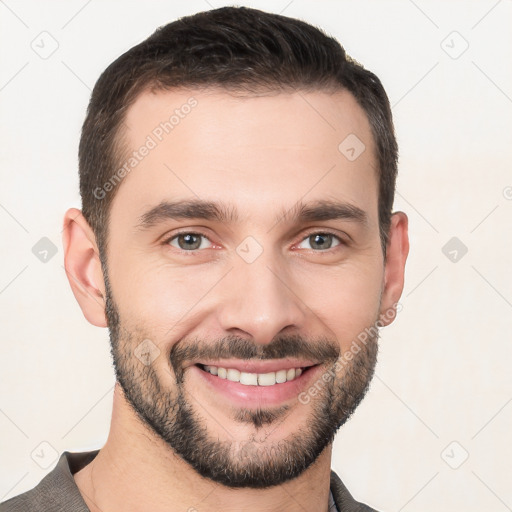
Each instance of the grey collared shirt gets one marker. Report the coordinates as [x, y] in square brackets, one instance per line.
[332, 505]
[58, 492]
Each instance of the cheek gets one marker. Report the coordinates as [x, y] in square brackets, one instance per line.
[166, 300]
[349, 303]
[162, 297]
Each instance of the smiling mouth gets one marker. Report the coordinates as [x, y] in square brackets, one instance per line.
[255, 379]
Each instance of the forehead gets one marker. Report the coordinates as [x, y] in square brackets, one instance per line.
[257, 153]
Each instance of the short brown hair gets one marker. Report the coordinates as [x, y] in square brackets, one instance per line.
[238, 49]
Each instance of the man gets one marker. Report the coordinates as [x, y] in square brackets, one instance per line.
[237, 174]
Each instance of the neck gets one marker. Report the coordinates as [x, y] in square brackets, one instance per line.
[136, 470]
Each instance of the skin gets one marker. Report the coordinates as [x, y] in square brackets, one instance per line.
[261, 155]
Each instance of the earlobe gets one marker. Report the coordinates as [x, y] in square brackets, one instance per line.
[396, 256]
[83, 267]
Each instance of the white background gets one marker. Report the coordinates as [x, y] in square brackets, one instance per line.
[444, 369]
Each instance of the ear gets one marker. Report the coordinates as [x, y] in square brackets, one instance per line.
[83, 267]
[396, 254]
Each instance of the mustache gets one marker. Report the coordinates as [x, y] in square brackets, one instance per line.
[234, 347]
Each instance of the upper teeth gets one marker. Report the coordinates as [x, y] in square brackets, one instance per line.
[254, 379]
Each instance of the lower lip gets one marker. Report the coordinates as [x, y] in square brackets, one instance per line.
[257, 396]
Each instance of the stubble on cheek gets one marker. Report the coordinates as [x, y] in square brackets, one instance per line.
[270, 455]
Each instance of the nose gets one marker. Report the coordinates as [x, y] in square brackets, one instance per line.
[259, 300]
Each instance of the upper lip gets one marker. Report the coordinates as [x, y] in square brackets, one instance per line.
[260, 366]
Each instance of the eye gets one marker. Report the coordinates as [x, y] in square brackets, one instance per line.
[320, 241]
[189, 241]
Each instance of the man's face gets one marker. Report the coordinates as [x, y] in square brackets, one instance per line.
[252, 288]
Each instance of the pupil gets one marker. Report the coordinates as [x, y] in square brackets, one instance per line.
[190, 241]
[321, 241]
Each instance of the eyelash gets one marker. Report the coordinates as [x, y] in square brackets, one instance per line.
[195, 252]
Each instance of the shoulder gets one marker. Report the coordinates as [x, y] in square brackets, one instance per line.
[343, 499]
[57, 491]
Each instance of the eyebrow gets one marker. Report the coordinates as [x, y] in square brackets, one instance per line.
[197, 209]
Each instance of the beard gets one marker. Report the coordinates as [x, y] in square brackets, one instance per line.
[255, 462]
